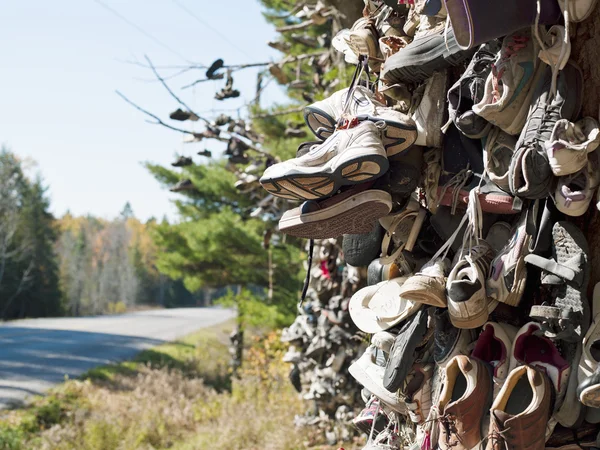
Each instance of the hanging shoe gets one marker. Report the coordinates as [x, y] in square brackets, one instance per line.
[183, 161]
[589, 365]
[429, 115]
[206, 153]
[571, 143]
[182, 116]
[498, 149]
[350, 156]
[574, 193]
[183, 185]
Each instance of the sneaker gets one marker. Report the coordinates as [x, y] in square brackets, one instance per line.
[469, 90]
[351, 212]
[379, 308]
[508, 88]
[183, 185]
[448, 341]
[530, 173]
[183, 161]
[383, 340]
[368, 373]
[363, 38]
[508, 271]
[416, 391]
[570, 144]
[322, 116]
[579, 10]
[531, 349]
[498, 149]
[468, 303]
[360, 249]
[372, 418]
[429, 52]
[205, 153]
[349, 156]
[494, 346]
[589, 366]
[429, 115]
[181, 115]
[463, 403]
[428, 286]
[574, 193]
[519, 414]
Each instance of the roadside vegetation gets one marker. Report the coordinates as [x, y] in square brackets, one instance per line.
[176, 396]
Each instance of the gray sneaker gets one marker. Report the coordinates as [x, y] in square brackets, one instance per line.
[530, 175]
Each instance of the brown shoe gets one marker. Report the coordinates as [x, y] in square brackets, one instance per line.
[463, 403]
[520, 413]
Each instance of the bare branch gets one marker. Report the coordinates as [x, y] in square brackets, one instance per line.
[164, 83]
[158, 121]
[295, 27]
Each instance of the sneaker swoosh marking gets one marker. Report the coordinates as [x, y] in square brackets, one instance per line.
[528, 68]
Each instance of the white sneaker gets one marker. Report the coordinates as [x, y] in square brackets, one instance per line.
[570, 144]
[429, 115]
[322, 116]
[590, 358]
[366, 371]
[494, 346]
[574, 193]
[348, 157]
[468, 304]
[579, 10]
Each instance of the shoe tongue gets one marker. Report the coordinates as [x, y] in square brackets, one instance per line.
[501, 417]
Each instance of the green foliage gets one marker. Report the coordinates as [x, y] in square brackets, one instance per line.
[252, 310]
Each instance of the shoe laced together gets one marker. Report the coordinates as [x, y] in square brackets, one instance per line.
[516, 43]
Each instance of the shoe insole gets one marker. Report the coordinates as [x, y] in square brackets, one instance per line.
[520, 397]
[460, 387]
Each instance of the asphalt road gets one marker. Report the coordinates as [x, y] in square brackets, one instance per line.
[36, 354]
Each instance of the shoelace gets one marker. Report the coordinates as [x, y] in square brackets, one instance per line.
[516, 43]
[457, 182]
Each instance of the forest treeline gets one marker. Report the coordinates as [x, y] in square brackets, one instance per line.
[74, 265]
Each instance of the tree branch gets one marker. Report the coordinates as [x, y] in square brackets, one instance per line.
[279, 113]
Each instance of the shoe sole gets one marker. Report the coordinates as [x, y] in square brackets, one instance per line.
[396, 137]
[591, 396]
[354, 215]
[474, 321]
[417, 287]
[423, 66]
[492, 203]
[313, 186]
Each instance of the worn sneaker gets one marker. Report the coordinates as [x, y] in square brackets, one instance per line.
[469, 90]
[531, 349]
[371, 418]
[468, 303]
[181, 115]
[579, 10]
[183, 161]
[570, 144]
[429, 52]
[463, 403]
[322, 116]
[363, 38]
[183, 185]
[205, 153]
[494, 346]
[498, 149]
[589, 366]
[508, 88]
[427, 286]
[416, 391]
[519, 414]
[350, 212]
[448, 341]
[574, 193]
[530, 174]
[349, 156]
[508, 271]
[429, 115]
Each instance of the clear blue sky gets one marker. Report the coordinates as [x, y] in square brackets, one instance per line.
[61, 63]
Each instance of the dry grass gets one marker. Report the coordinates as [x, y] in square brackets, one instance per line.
[176, 396]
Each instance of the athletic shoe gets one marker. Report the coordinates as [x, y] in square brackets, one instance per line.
[463, 403]
[361, 249]
[416, 391]
[182, 116]
[531, 349]
[468, 304]
[205, 153]
[574, 193]
[183, 185]
[322, 117]
[579, 10]
[530, 173]
[589, 365]
[519, 414]
[498, 149]
[372, 412]
[383, 340]
[183, 161]
[429, 115]
[494, 346]
[508, 88]
[448, 341]
[363, 38]
[350, 212]
[570, 143]
[508, 271]
[469, 90]
[429, 52]
[349, 156]
[428, 286]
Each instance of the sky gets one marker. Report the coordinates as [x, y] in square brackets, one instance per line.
[61, 64]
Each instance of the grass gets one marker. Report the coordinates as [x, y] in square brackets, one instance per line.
[177, 396]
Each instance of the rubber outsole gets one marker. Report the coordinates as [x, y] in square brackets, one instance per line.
[313, 186]
[591, 396]
[355, 215]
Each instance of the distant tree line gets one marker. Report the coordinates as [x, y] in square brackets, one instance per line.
[74, 265]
